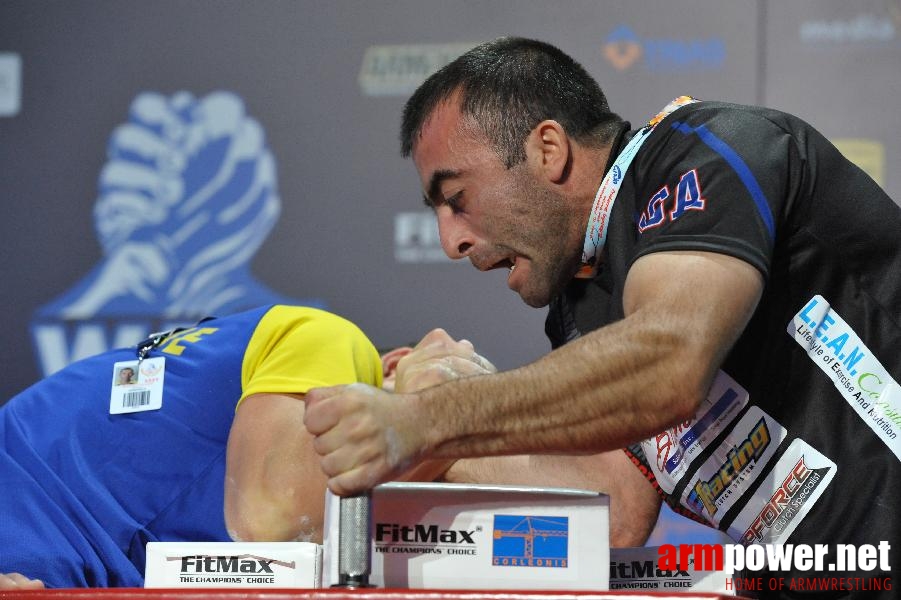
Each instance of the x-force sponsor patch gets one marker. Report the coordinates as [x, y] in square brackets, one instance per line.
[671, 452]
[785, 497]
[858, 375]
[726, 475]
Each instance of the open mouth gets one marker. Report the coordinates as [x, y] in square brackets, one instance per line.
[507, 263]
[511, 268]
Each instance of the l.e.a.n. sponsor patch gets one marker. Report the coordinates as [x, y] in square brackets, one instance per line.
[671, 452]
[861, 379]
[737, 462]
[784, 497]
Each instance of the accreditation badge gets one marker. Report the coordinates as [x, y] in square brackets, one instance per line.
[137, 385]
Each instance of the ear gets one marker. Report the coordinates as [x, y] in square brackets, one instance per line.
[550, 145]
[390, 360]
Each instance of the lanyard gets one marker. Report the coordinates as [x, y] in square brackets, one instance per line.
[155, 340]
[599, 219]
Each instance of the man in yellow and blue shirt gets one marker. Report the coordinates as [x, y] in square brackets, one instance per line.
[85, 487]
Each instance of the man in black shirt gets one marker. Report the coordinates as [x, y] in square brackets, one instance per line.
[724, 294]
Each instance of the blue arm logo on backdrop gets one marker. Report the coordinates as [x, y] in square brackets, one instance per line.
[186, 198]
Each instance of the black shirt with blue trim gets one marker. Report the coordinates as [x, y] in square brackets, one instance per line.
[765, 187]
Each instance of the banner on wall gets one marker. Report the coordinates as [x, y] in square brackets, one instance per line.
[624, 49]
[10, 84]
[398, 69]
[187, 196]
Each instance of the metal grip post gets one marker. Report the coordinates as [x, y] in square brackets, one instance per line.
[354, 544]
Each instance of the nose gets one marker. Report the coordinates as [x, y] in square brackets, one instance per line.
[456, 239]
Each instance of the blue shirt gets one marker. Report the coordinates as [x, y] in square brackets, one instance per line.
[84, 490]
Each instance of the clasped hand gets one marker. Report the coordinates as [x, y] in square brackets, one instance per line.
[365, 436]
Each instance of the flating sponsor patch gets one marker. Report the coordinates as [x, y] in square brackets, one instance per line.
[734, 465]
[858, 375]
[785, 497]
[671, 453]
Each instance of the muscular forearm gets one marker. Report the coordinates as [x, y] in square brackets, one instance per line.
[601, 392]
[616, 385]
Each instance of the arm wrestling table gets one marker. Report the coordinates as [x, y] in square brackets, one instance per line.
[340, 594]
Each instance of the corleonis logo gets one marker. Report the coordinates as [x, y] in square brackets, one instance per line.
[530, 541]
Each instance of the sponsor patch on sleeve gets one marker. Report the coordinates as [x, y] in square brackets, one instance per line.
[785, 496]
[860, 378]
[671, 452]
[739, 460]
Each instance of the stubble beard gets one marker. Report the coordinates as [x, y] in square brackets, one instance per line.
[554, 248]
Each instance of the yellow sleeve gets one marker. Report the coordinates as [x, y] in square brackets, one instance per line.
[295, 349]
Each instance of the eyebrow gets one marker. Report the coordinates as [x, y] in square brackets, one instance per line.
[433, 197]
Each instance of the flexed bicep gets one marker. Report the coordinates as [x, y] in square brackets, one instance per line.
[696, 305]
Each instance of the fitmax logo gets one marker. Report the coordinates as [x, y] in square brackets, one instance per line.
[421, 534]
[225, 564]
[647, 569]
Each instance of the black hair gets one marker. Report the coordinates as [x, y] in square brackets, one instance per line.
[507, 87]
